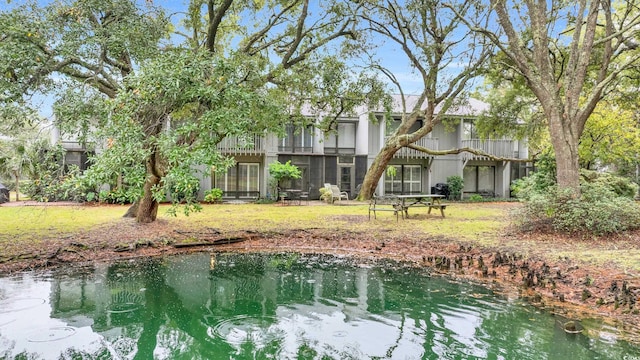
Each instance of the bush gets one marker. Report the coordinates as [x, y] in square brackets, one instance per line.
[619, 185]
[286, 171]
[119, 196]
[52, 185]
[456, 184]
[598, 210]
[476, 198]
[213, 196]
[325, 194]
[183, 188]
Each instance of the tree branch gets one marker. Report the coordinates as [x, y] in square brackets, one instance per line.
[469, 150]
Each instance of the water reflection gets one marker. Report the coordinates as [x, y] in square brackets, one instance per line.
[274, 307]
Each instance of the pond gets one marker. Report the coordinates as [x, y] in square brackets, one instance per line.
[283, 306]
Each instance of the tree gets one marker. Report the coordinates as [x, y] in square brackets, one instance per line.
[78, 53]
[244, 91]
[14, 156]
[444, 56]
[570, 54]
[611, 138]
[174, 113]
[162, 116]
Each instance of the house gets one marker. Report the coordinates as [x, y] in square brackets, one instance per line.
[343, 157]
[76, 153]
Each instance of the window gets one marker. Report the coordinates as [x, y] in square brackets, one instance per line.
[412, 181]
[469, 130]
[297, 139]
[240, 181]
[77, 158]
[407, 180]
[479, 179]
[343, 141]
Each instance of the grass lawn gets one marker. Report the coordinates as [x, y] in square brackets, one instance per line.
[479, 224]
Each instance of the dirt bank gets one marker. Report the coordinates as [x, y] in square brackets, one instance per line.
[562, 285]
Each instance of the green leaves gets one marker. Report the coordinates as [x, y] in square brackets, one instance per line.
[280, 171]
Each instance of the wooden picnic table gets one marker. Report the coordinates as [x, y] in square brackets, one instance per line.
[432, 201]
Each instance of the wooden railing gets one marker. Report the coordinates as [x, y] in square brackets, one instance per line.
[235, 145]
[407, 153]
[499, 148]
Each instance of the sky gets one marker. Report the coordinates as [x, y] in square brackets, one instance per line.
[390, 57]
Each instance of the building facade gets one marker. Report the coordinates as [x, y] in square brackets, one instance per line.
[343, 156]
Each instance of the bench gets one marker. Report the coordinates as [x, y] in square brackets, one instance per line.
[385, 203]
[437, 206]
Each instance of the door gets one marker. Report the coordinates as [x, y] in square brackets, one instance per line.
[345, 179]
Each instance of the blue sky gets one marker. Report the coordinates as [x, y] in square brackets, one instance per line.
[390, 57]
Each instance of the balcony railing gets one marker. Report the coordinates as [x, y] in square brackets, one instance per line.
[499, 148]
[295, 149]
[340, 150]
[407, 153]
[242, 146]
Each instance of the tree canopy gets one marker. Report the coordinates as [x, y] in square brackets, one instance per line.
[569, 55]
[160, 93]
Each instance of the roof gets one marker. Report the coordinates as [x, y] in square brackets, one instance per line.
[471, 107]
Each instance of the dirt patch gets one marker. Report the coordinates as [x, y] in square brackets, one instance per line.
[560, 284]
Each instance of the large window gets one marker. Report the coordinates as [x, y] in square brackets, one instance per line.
[240, 181]
[343, 141]
[297, 140]
[479, 179]
[407, 180]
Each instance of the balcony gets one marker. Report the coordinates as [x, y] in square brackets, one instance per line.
[498, 148]
[295, 149]
[242, 146]
[407, 153]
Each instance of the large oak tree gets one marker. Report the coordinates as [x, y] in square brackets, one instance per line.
[224, 70]
[443, 54]
[570, 53]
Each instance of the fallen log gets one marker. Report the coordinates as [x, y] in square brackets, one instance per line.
[225, 241]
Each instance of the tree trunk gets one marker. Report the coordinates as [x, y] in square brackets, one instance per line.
[132, 211]
[565, 144]
[377, 169]
[17, 176]
[147, 205]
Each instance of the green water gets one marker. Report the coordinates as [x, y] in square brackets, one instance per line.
[224, 306]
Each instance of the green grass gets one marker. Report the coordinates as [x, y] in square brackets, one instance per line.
[43, 220]
[463, 221]
[477, 223]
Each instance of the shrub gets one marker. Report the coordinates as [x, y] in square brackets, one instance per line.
[281, 176]
[52, 185]
[213, 196]
[455, 184]
[325, 194]
[119, 196]
[476, 198]
[621, 186]
[598, 210]
[183, 188]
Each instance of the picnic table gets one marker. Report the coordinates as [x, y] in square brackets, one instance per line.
[432, 201]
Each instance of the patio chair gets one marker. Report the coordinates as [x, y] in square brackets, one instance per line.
[305, 196]
[337, 194]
